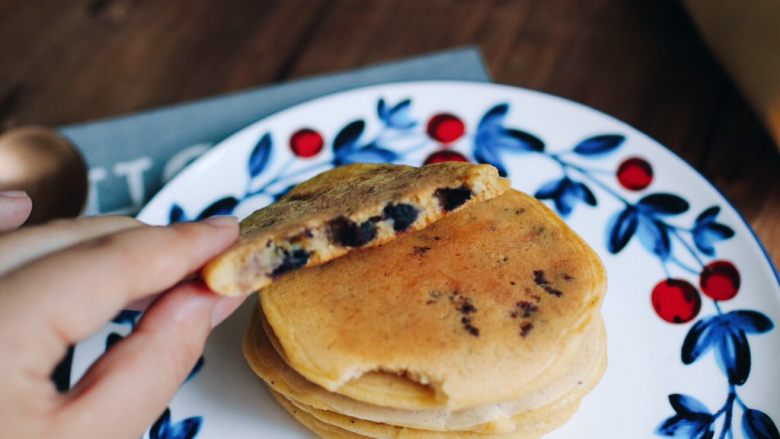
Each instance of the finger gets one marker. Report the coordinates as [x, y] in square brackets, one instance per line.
[15, 207]
[134, 381]
[25, 245]
[75, 291]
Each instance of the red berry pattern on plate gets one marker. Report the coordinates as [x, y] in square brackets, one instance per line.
[306, 143]
[676, 300]
[635, 174]
[445, 156]
[445, 128]
[719, 280]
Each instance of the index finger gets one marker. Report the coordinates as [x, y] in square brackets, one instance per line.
[75, 291]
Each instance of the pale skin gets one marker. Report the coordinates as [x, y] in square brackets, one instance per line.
[62, 281]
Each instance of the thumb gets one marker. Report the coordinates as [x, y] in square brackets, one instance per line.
[130, 385]
[15, 208]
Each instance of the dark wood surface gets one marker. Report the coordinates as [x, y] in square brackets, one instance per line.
[643, 62]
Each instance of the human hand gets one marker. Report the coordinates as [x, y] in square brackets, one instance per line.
[15, 207]
[62, 281]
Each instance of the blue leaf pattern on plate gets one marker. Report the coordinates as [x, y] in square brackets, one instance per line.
[126, 317]
[702, 336]
[367, 154]
[492, 138]
[662, 204]
[733, 356]
[621, 228]
[654, 236]
[223, 206]
[692, 419]
[597, 146]
[164, 429]
[348, 137]
[397, 116]
[261, 154]
[566, 193]
[196, 368]
[176, 214]
[727, 333]
[112, 339]
[758, 425]
[706, 231]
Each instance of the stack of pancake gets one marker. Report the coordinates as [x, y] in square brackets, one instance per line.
[485, 323]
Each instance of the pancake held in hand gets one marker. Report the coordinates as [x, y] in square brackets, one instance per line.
[473, 308]
[577, 369]
[349, 207]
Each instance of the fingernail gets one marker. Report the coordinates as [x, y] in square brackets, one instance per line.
[221, 221]
[14, 194]
[224, 308]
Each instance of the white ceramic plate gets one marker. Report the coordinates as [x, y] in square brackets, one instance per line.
[680, 362]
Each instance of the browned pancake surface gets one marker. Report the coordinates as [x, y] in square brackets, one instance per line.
[474, 307]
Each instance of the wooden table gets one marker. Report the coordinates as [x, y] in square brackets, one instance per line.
[64, 62]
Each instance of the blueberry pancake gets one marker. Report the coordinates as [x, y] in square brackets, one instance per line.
[346, 208]
[471, 310]
[577, 369]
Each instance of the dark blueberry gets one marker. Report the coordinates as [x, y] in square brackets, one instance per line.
[468, 326]
[419, 251]
[467, 308]
[292, 260]
[452, 198]
[525, 328]
[527, 308]
[539, 278]
[347, 233]
[403, 215]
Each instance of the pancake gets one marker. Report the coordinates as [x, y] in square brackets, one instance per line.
[353, 206]
[578, 368]
[473, 309]
[359, 429]
[528, 425]
[322, 429]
